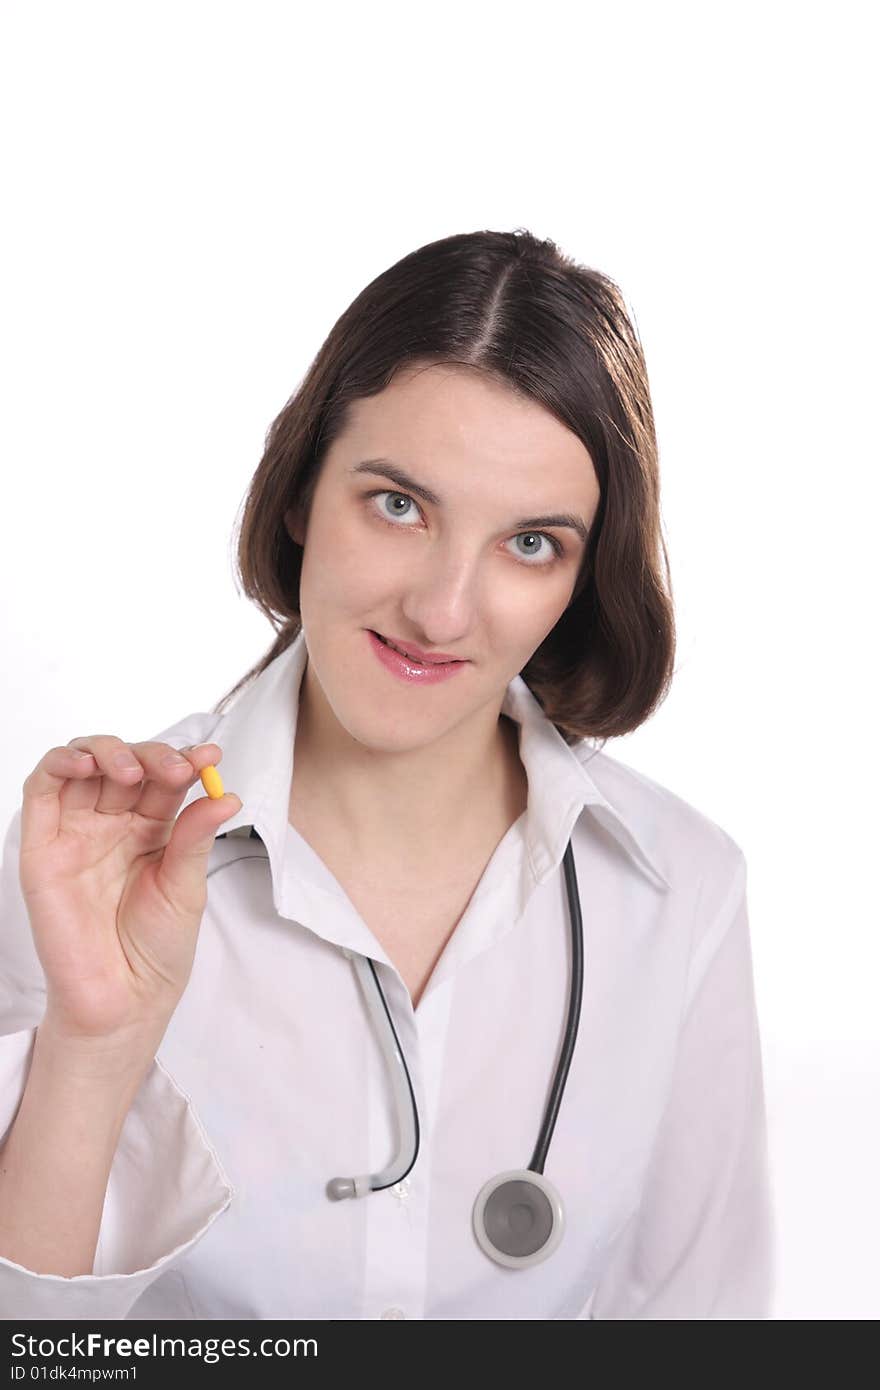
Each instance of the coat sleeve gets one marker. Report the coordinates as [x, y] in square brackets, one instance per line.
[702, 1243]
[166, 1184]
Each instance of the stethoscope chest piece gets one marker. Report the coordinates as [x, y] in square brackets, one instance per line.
[518, 1218]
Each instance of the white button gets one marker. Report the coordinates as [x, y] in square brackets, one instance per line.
[393, 1313]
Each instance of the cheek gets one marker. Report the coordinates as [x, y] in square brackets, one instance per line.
[342, 563]
[526, 612]
[519, 632]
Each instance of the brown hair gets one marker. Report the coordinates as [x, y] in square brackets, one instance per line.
[518, 310]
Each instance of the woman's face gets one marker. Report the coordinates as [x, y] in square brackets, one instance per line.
[470, 574]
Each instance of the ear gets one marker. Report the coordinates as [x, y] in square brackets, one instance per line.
[294, 526]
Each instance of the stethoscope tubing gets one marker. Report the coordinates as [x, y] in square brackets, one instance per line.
[404, 1095]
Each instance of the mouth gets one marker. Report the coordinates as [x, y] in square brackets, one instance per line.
[417, 661]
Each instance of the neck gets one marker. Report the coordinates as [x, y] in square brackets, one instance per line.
[477, 784]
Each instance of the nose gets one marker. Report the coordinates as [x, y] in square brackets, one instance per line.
[442, 597]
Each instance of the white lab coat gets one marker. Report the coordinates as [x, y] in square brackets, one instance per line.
[270, 1079]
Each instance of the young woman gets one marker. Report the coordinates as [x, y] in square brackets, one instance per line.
[440, 1012]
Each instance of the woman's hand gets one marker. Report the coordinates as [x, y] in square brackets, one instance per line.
[115, 881]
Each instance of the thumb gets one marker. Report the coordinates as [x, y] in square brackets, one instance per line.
[185, 859]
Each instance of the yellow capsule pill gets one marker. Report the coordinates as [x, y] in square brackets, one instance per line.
[211, 781]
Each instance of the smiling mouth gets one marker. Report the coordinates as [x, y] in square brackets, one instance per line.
[414, 659]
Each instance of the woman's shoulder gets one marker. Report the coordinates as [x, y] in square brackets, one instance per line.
[666, 819]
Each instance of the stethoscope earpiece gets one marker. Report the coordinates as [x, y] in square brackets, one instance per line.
[518, 1219]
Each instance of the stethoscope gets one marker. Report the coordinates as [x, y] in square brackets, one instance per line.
[518, 1217]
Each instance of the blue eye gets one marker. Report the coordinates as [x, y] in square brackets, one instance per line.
[401, 496]
[556, 548]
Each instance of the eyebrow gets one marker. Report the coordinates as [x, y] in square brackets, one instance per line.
[385, 468]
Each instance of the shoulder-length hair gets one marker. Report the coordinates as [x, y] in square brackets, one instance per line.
[516, 309]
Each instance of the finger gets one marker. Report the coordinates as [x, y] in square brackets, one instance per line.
[151, 787]
[114, 786]
[42, 790]
[181, 873]
[166, 786]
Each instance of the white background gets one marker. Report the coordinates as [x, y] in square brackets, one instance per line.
[193, 194]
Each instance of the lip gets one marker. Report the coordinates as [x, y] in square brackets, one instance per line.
[407, 670]
[428, 658]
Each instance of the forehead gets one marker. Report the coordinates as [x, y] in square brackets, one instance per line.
[448, 421]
